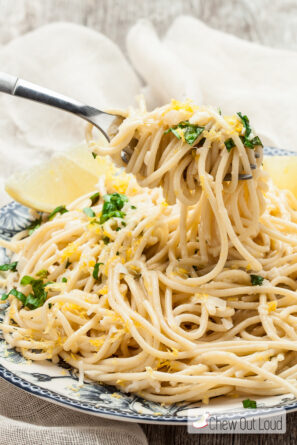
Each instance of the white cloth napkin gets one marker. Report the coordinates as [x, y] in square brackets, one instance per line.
[26, 420]
[219, 69]
[192, 61]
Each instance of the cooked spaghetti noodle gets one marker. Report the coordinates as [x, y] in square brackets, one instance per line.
[178, 302]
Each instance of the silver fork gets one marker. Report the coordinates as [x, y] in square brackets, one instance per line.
[100, 119]
[18, 87]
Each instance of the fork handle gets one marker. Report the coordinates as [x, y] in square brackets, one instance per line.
[7, 83]
[18, 87]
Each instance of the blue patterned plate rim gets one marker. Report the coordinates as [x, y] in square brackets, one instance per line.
[97, 399]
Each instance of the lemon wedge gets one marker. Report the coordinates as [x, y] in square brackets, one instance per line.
[58, 181]
[283, 171]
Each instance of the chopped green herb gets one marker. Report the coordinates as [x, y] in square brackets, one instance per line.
[38, 295]
[106, 240]
[50, 305]
[173, 130]
[123, 223]
[34, 226]
[43, 273]
[133, 207]
[247, 403]
[34, 301]
[220, 111]
[89, 212]
[64, 280]
[67, 263]
[96, 270]
[256, 280]
[112, 207]
[117, 253]
[19, 295]
[118, 228]
[247, 142]
[251, 143]
[246, 124]
[256, 141]
[94, 155]
[60, 209]
[190, 131]
[229, 143]
[9, 266]
[27, 280]
[95, 198]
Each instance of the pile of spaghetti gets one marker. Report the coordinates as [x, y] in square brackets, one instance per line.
[178, 293]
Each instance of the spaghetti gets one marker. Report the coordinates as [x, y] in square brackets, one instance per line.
[178, 302]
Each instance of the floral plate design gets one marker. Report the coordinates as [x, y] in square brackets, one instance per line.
[59, 383]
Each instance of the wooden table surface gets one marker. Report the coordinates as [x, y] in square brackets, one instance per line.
[270, 22]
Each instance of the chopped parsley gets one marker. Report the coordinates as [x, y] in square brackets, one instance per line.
[118, 228]
[246, 140]
[247, 403]
[67, 263]
[19, 295]
[94, 198]
[112, 207]
[106, 240]
[89, 212]
[220, 111]
[133, 207]
[256, 141]
[229, 144]
[189, 131]
[251, 143]
[246, 124]
[38, 295]
[36, 298]
[256, 280]
[96, 270]
[50, 305]
[94, 155]
[43, 273]
[34, 225]
[9, 266]
[64, 280]
[60, 209]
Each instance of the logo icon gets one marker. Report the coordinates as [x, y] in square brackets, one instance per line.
[202, 422]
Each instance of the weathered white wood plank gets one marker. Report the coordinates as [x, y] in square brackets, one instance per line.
[271, 22]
